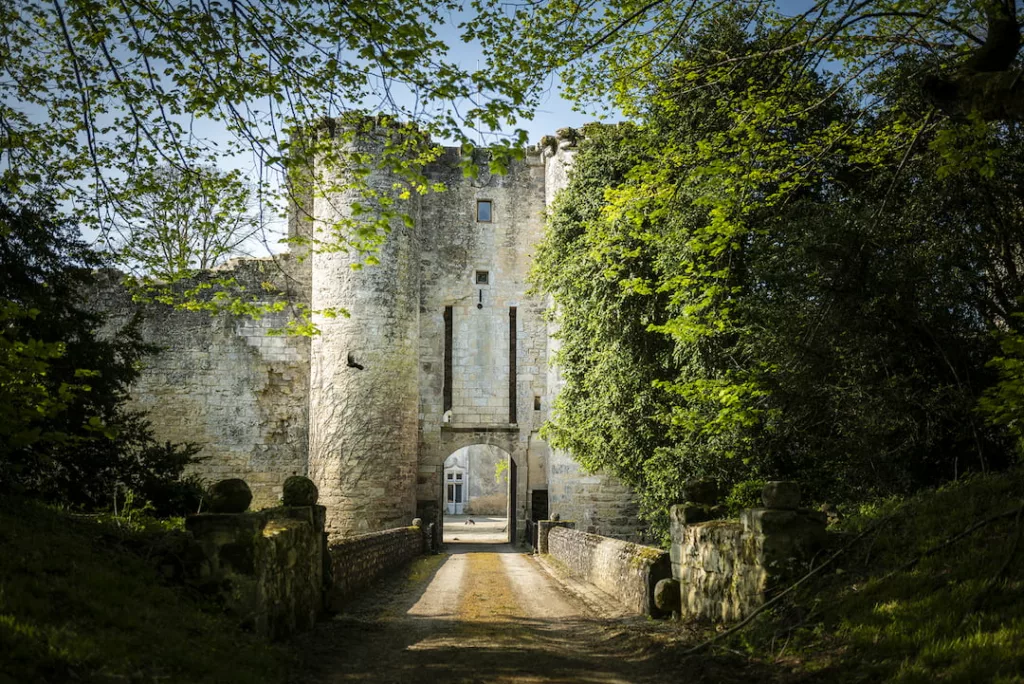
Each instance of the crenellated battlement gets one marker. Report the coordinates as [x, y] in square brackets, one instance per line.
[443, 348]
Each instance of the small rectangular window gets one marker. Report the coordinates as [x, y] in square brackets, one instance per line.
[483, 211]
[449, 476]
[483, 277]
[536, 402]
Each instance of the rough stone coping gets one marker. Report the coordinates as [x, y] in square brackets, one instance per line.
[767, 520]
[343, 541]
[646, 555]
[258, 520]
[279, 526]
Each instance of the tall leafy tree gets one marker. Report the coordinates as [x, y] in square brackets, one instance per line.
[823, 302]
[97, 94]
[187, 221]
[967, 49]
[69, 435]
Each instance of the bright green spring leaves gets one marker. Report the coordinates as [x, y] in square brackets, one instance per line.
[96, 95]
[760, 281]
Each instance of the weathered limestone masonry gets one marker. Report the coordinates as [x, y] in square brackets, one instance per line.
[267, 566]
[455, 289]
[273, 569]
[224, 383]
[718, 570]
[727, 568]
[364, 382]
[626, 571]
[443, 350]
[474, 284]
[357, 561]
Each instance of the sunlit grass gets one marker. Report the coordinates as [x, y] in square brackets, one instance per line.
[955, 615]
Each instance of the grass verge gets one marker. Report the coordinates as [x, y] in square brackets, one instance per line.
[933, 592]
[76, 605]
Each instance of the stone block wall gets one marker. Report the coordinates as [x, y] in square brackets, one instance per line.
[626, 571]
[357, 561]
[224, 382]
[719, 577]
[363, 401]
[267, 567]
[727, 568]
[598, 502]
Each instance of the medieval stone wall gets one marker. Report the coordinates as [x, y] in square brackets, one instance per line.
[361, 408]
[456, 250]
[626, 571]
[364, 381]
[266, 567]
[223, 382]
[726, 569]
[357, 561]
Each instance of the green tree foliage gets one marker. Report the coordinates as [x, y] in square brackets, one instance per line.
[68, 435]
[965, 49]
[187, 221]
[741, 300]
[97, 96]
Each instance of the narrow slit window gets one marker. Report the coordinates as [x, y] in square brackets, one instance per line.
[448, 334]
[483, 278]
[512, 364]
[536, 402]
[483, 211]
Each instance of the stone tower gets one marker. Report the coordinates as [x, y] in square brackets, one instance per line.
[446, 349]
[364, 390]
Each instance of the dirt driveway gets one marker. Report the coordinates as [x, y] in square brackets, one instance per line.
[480, 613]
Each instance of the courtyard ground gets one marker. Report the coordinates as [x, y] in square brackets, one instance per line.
[484, 529]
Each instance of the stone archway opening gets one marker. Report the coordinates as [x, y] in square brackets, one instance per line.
[476, 483]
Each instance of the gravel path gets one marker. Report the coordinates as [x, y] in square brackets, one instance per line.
[480, 613]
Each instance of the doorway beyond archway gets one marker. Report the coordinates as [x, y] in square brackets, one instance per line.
[478, 485]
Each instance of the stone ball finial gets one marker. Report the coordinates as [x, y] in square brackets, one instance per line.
[667, 597]
[782, 495]
[299, 491]
[229, 496]
[556, 517]
[417, 522]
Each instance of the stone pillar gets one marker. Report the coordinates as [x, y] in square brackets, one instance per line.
[784, 536]
[364, 385]
[726, 568]
[544, 528]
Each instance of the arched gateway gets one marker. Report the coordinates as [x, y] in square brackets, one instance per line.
[444, 348]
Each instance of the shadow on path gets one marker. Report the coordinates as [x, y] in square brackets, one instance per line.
[457, 617]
